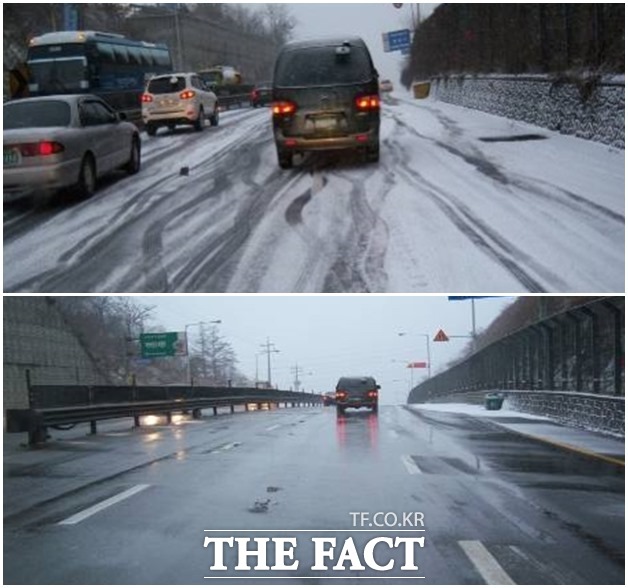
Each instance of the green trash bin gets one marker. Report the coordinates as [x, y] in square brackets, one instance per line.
[494, 401]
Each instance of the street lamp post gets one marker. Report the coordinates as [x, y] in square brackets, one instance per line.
[187, 346]
[429, 355]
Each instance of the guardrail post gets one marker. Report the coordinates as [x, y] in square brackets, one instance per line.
[232, 409]
[197, 413]
[92, 427]
[168, 418]
[215, 410]
[136, 421]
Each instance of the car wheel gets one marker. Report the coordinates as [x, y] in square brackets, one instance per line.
[200, 121]
[87, 178]
[134, 163]
[215, 118]
[151, 130]
[285, 159]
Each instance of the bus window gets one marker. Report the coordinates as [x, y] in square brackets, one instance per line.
[58, 76]
[121, 55]
[106, 53]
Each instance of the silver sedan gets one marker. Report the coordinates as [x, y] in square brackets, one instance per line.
[57, 142]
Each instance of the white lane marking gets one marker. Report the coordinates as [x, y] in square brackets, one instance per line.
[92, 510]
[485, 563]
[410, 464]
[273, 427]
[227, 447]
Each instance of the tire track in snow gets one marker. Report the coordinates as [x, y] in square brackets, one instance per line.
[82, 265]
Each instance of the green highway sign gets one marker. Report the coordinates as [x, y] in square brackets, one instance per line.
[154, 345]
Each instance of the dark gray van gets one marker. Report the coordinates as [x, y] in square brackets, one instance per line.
[357, 392]
[325, 97]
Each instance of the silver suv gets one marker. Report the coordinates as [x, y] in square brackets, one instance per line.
[178, 99]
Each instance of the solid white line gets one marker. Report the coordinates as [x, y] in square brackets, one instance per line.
[410, 464]
[273, 427]
[485, 563]
[316, 578]
[92, 510]
[374, 530]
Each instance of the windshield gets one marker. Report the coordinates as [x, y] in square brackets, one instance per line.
[58, 76]
[40, 113]
[323, 66]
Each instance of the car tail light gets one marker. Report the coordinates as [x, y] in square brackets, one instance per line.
[368, 103]
[187, 94]
[372, 394]
[254, 94]
[43, 148]
[284, 108]
[341, 395]
[146, 98]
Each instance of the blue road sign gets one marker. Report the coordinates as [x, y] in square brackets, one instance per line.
[397, 40]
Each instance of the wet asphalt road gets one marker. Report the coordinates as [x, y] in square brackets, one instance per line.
[495, 506]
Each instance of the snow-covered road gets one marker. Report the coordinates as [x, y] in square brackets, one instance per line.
[461, 202]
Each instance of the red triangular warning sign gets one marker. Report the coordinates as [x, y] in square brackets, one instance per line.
[441, 337]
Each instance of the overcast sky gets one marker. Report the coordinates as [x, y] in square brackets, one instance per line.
[367, 20]
[332, 336]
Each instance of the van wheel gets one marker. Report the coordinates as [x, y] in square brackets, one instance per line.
[285, 159]
[372, 154]
[200, 121]
[86, 185]
[151, 130]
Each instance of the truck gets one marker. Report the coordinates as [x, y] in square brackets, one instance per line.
[227, 83]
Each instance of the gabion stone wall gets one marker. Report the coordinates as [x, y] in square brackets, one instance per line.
[36, 338]
[587, 411]
[593, 110]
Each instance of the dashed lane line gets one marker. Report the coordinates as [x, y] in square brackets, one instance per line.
[92, 510]
[485, 563]
[410, 465]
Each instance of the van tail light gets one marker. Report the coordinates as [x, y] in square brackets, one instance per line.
[369, 103]
[284, 108]
[146, 98]
[372, 394]
[43, 148]
[187, 95]
[341, 395]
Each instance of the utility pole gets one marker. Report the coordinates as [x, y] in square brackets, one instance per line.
[268, 349]
[297, 382]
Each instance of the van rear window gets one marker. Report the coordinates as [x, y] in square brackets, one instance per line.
[322, 66]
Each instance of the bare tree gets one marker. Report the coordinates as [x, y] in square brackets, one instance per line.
[280, 22]
[214, 360]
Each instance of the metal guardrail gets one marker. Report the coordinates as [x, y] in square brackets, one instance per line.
[51, 406]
